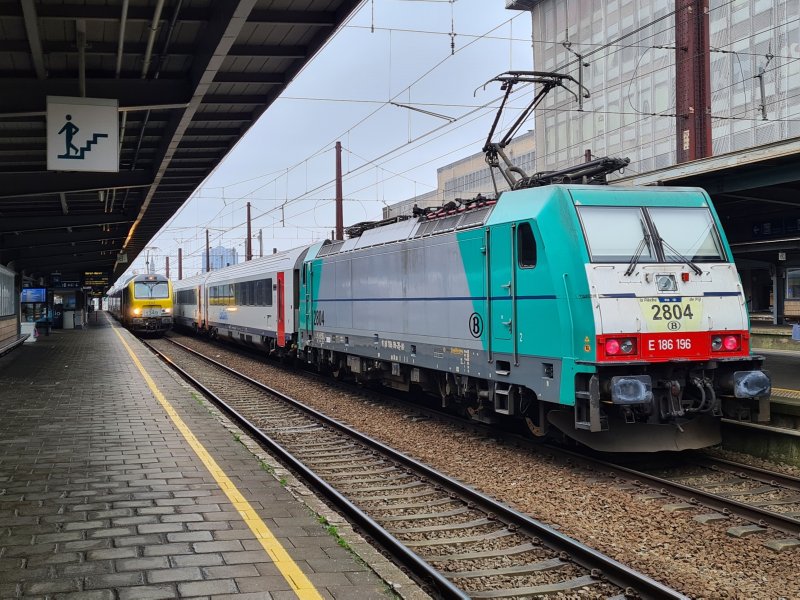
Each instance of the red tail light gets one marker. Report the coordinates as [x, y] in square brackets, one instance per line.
[731, 343]
[620, 347]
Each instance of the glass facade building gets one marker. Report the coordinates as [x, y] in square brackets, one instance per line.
[221, 257]
[631, 111]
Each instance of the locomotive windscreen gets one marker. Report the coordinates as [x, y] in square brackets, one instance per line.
[147, 289]
[654, 234]
[689, 232]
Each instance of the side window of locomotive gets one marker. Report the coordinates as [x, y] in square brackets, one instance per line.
[616, 234]
[526, 246]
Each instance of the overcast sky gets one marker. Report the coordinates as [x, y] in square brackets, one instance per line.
[285, 165]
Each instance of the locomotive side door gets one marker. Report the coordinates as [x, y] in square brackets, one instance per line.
[500, 286]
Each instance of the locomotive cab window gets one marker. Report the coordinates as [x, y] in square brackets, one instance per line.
[616, 234]
[148, 289]
[526, 246]
[687, 233]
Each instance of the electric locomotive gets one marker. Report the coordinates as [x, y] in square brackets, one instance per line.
[143, 304]
[614, 315]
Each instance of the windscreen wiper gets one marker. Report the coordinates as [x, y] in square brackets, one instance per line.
[637, 254]
[683, 259]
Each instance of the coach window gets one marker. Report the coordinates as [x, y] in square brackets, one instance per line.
[526, 246]
[269, 291]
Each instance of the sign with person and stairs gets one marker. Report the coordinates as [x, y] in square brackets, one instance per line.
[82, 134]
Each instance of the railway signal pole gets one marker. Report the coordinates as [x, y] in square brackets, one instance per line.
[248, 248]
[180, 264]
[208, 254]
[339, 212]
[693, 80]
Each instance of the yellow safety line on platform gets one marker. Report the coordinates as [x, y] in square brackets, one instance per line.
[288, 568]
[786, 393]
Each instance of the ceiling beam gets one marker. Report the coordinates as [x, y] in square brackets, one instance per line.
[37, 223]
[223, 117]
[307, 18]
[70, 12]
[36, 239]
[54, 182]
[77, 262]
[250, 77]
[215, 132]
[228, 100]
[34, 41]
[30, 95]
[23, 255]
[98, 48]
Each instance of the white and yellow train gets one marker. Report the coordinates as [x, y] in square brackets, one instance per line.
[143, 304]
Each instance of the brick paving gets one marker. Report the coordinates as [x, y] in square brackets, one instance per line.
[102, 498]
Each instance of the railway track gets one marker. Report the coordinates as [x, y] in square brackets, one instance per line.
[766, 498]
[459, 541]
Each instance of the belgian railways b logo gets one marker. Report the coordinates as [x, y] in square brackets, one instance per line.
[476, 325]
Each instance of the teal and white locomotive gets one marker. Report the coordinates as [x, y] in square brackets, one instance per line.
[614, 315]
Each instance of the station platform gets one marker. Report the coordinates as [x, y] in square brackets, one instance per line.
[113, 486]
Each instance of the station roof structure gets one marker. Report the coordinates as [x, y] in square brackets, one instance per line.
[191, 77]
[756, 192]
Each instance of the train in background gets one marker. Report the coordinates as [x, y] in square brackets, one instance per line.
[612, 315]
[143, 304]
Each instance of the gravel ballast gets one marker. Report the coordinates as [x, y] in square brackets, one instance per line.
[702, 561]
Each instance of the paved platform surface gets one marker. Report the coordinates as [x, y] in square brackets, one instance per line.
[101, 497]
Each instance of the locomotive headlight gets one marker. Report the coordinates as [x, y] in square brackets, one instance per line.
[716, 343]
[626, 346]
[136, 311]
[612, 347]
[167, 310]
[731, 342]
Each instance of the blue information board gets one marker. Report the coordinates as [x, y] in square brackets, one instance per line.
[33, 295]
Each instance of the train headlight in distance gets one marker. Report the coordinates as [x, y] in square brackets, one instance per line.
[612, 347]
[627, 346]
[731, 342]
[716, 343]
[136, 311]
[167, 310]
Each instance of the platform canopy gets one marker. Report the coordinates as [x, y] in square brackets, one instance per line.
[756, 192]
[189, 77]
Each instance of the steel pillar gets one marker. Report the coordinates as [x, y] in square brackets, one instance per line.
[692, 80]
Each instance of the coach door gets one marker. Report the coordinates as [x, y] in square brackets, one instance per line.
[281, 311]
[198, 309]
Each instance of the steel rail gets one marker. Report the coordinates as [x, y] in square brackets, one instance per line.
[695, 495]
[755, 473]
[597, 563]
